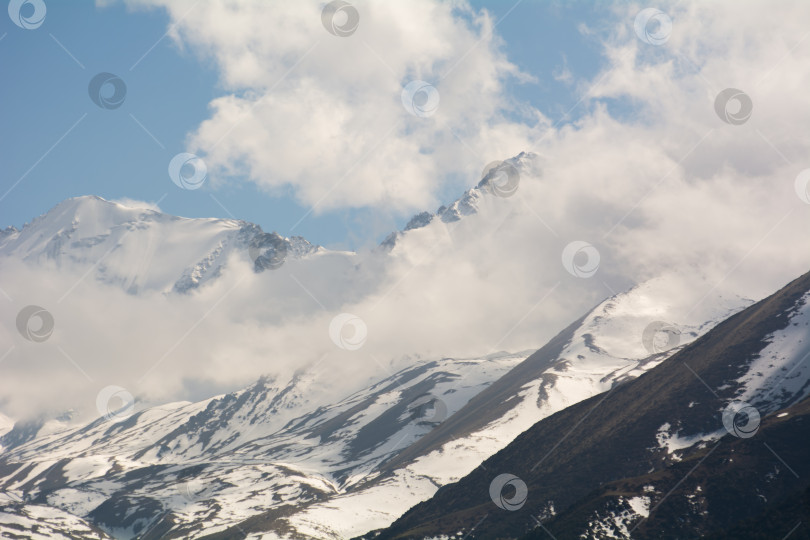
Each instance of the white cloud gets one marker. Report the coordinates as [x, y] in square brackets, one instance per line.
[667, 186]
[563, 73]
[323, 114]
[134, 203]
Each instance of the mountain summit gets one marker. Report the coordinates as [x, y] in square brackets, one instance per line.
[141, 249]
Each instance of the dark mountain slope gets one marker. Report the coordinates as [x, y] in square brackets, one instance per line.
[619, 434]
[750, 487]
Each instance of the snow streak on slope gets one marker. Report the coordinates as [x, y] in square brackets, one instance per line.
[780, 375]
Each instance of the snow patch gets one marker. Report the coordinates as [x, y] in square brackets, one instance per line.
[779, 375]
[674, 442]
[617, 522]
[640, 505]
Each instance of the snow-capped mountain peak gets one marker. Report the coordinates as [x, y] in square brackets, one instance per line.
[143, 249]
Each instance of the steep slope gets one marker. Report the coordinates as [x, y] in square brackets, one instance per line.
[606, 346]
[669, 415]
[737, 488]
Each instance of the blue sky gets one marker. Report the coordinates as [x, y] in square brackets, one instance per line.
[62, 145]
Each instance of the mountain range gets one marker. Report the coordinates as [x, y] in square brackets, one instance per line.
[614, 427]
